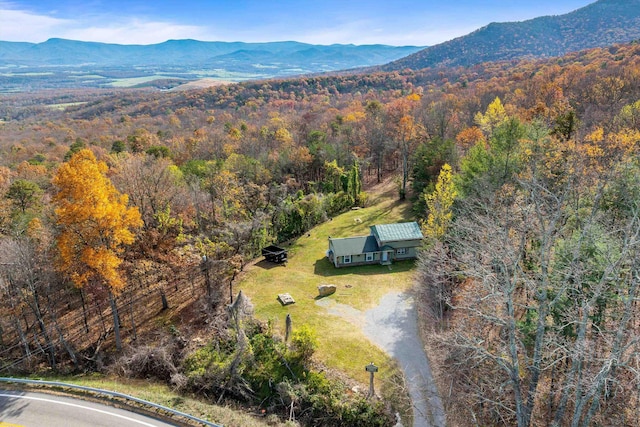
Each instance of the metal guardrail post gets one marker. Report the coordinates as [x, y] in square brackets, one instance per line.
[112, 394]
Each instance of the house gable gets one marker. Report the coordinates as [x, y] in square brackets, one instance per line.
[353, 251]
[353, 245]
[385, 243]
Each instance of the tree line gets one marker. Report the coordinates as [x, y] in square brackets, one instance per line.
[531, 271]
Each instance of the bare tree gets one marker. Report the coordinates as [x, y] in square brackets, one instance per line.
[28, 290]
[542, 279]
[151, 184]
[376, 138]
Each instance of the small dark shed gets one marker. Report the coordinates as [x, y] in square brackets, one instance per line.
[275, 254]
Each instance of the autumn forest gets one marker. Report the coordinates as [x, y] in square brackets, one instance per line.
[525, 176]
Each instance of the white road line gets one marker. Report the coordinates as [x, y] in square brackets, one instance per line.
[17, 396]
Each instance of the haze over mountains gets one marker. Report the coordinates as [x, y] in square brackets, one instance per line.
[599, 24]
[71, 63]
[67, 63]
[197, 53]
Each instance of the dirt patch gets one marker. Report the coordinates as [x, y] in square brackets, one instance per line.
[202, 84]
[344, 311]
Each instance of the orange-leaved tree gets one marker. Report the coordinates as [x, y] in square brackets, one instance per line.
[95, 224]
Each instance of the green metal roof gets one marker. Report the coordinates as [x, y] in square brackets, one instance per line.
[354, 245]
[397, 232]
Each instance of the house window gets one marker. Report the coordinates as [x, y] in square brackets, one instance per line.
[401, 251]
[368, 256]
[347, 259]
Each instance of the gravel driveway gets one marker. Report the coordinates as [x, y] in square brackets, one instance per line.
[393, 326]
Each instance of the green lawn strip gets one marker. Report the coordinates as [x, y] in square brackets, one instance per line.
[161, 394]
[342, 345]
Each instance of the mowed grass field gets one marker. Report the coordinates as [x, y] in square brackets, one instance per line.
[336, 319]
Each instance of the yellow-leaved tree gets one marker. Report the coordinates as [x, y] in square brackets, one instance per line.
[492, 118]
[439, 205]
[95, 224]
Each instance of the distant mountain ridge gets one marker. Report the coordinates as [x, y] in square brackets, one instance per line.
[62, 52]
[599, 24]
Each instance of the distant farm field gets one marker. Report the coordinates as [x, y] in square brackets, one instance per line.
[134, 81]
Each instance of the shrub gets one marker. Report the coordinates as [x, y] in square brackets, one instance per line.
[304, 343]
[321, 401]
[149, 362]
[280, 380]
[366, 413]
[363, 199]
[206, 362]
[336, 203]
[267, 367]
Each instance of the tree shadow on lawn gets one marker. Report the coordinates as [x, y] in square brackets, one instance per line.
[403, 208]
[324, 267]
[268, 265]
[366, 218]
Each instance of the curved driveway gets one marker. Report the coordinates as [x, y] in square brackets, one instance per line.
[393, 325]
[29, 409]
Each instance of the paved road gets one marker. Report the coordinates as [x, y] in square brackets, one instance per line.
[393, 325]
[37, 409]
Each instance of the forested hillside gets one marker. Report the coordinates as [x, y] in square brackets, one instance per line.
[125, 216]
[600, 24]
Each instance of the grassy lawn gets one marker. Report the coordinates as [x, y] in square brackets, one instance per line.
[337, 319]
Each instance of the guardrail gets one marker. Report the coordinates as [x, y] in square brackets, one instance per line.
[112, 394]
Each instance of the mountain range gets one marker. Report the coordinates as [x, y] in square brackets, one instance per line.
[194, 53]
[599, 24]
[67, 63]
[61, 63]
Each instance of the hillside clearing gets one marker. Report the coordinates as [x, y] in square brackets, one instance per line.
[342, 344]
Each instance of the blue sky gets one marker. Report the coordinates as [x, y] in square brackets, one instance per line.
[394, 22]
